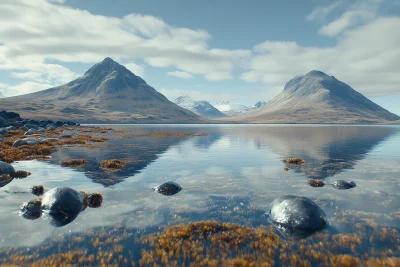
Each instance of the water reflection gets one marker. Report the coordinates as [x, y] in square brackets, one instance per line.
[327, 150]
[231, 175]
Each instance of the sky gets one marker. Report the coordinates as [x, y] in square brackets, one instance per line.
[226, 50]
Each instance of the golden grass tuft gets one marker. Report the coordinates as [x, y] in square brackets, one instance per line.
[316, 183]
[294, 161]
[21, 174]
[112, 164]
[74, 163]
[94, 200]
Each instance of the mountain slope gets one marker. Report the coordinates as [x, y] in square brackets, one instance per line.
[319, 98]
[201, 108]
[107, 92]
[1, 95]
[259, 104]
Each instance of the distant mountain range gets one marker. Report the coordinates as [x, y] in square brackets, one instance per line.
[319, 98]
[110, 93]
[201, 108]
[107, 92]
[235, 109]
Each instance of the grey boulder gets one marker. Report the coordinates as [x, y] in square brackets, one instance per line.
[296, 217]
[6, 168]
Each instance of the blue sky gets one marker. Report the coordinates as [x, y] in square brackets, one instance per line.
[242, 51]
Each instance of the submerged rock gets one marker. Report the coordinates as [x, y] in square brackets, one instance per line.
[6, 168]
[3, 131]
[61, 205]
[168, 188]
[341, 184]
[31, 210]
[297, 217]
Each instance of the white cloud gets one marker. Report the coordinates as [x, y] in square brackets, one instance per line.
[26, 88]
[3, 85]
[180, 74]
[348, 19]
[56, 1]
[89, 38]
[218, 76]
[137, 69]
[322, 12]
[357, 13]
[366, 58]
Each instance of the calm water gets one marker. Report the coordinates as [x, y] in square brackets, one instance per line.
[230, 175]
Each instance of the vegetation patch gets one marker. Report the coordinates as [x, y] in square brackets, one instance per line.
[316, 183]
[294, 161]
[74, 163]
[21, 174]
[112, 164]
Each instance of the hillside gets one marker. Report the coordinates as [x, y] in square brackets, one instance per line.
[319, 98]
[108, 93]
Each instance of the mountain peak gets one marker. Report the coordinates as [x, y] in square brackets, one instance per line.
[105, 67]
[1, 95]
[316, 73]
[108, 60]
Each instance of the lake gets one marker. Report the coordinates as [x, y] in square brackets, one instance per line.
[230, 174]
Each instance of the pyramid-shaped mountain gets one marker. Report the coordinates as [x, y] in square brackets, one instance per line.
[319, 98]
[107, 92]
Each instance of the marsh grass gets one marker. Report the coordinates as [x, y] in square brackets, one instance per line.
[294, 161]
[112, 164]
[74, 163]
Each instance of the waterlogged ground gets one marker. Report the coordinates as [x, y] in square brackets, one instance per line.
[229, 175]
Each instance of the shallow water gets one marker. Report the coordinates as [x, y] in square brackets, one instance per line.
[230, 175]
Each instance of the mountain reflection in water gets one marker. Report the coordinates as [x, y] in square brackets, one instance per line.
[231, 175]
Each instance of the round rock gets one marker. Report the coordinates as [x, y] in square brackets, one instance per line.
[297, 217]
[6, 168]
[168, 188]
[62, 205]
[341, 184]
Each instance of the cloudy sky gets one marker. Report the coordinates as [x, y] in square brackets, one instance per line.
[242, 51]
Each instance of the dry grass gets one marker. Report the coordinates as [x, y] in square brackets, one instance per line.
[316, 183]
[112, 164]
[74, 163]
[37, 190]
[10, 154]
[21, 174]
[294, 161]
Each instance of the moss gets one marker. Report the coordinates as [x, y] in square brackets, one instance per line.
[294, 161]
[10, 154]
[94, 200]
[316, 183]
[74, 163]
[21, 174]
[112, 164]
[37, 190]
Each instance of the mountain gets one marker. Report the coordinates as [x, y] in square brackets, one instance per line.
[201, 108]
[1, 95]
[319, 98]
[259, 104]
[231, 109]
[107, 92]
